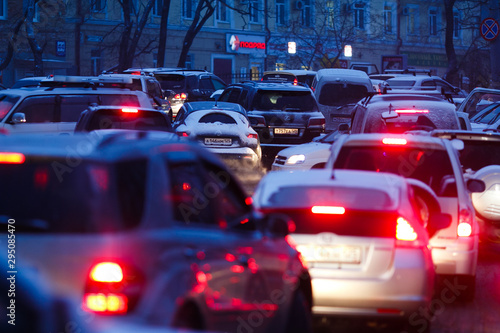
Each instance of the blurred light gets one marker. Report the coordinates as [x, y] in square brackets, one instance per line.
[404, 231]
[116, 303]
[292, 47]
[408, 111]
[296, 159]
[252, 136]
[394, 141]
[130, 110]
[328, 210]
[107, 272]
[12, 158]
[348, 51]
[464, 229]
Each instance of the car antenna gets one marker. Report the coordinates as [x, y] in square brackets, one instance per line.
[390, 107]
[333, 174]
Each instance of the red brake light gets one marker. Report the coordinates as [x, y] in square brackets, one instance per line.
[12, 158]
[404, 231]
[183, 134]
[328, 210]
[130, 110]
[252, 136]
[464, 228]
[295, 82]
[106, 272]
[410, 111]
[394, 141]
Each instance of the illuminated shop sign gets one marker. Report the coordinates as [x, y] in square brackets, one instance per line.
[245, 44]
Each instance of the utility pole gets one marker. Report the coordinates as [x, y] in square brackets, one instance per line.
[494, 12]
[268, 32]
[399, 41]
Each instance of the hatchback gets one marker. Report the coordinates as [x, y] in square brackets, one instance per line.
[149, 228]
[362, 236]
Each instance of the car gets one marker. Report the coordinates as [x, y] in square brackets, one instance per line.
[435, 162]
[312, 155]
[282, 114]
[423, 83]
[57, 107]
[363, 236]
[480, 159]
[134, 226]
[187, 85]
[28, 82]
[112, 117]
[337, 90]
[223, 128]
[290, 75]
[398, 113]
[141, 82]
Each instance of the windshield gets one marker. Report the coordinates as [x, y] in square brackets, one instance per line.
[489, 115]
[6, 103]
[430, 166]
[266, 100]
[48, 201]
[334, 94]
[479, 101]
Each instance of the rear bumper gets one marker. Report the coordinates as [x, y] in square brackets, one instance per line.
[457, 258]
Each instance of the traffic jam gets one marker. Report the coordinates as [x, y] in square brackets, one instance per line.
[304, 201]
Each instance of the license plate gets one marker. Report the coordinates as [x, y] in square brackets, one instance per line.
[218, 141]
[289, 131]
[338, 254]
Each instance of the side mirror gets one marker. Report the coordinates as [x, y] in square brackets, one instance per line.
[158, 101]
[476, 185]
[437, 222]
[343, 127]
[18, 118]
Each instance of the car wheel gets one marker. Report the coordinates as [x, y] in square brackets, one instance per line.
[189, 317]
[299, 316]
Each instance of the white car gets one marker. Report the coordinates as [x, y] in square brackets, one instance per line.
[363, 238]
[221, 127]
[312, 155]
[488, 119]
[435, 162]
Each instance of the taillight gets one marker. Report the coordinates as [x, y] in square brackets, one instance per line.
[464, 228]
[129, 110]
[406, 235]
[112, 288]
[12, 158]
[183, 134]
[252, 136]
[411, 111]
[180, 96]
[295, 82]
[328, 210]
[394, 141]
[316, 122]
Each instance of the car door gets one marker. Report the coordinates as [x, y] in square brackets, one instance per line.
[39, 113]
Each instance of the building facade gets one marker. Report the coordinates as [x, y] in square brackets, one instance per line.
[242, 38]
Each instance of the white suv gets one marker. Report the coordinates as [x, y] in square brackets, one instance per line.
[435, 162]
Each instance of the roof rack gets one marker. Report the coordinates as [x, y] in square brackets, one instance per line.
[413, 71]
[62, 81]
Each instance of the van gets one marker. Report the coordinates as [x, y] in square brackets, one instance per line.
[337, 92]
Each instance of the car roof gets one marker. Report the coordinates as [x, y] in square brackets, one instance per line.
[292, 71]
[98, 146]
[366, 180]
[466, 135]
[22, 92]
[280, 86]
[375, 139]
[341, 73]
[214, 105]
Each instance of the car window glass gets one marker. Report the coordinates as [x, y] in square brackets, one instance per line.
[131, 180]
[217, 84]
[280, 100]
[359, 116]
[428, 83]
[174, 82]
[143, 120]
[191, 82]
[191, 196]
[489, 115]
[333, 94]
[243, 96]
[73, 105]
[6, 103]
[233, 95]
[206, 83]
[120, 100]
[38, 109]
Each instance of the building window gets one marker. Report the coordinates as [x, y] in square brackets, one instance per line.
[221, 12]
[189, 61]
[157, 7]
[388, 19]
[433, 22]
[3, 9]
[253, 10]
[189, 8]
[456, 24]
[155, 60]
[412, 21]
[307, 14]
[97, 6]
[280, 12]
[330, 14]
[95, 62]
[359, 15]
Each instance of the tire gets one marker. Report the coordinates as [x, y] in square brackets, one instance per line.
[299, 316]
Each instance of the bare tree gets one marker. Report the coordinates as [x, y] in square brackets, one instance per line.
[163, 32]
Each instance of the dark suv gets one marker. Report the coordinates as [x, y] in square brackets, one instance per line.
[187, 86]
[282, 114]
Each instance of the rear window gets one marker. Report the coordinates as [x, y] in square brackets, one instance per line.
[142, 120]
[171, 81]
[478, 154]
[333, 94]
[430, 166]
[488, 115]
[6, 103]
[119, 100]
[298, 101]
[279, 77]
[217, 118]
[347, 197]
[61, 198]
[401, 84]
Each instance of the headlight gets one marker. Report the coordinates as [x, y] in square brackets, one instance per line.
[296, 159]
